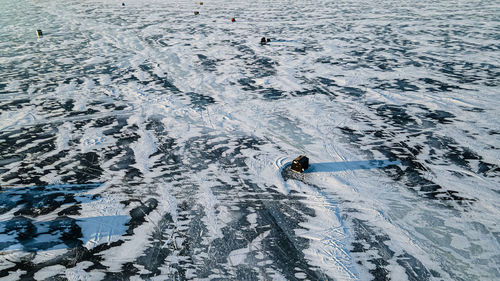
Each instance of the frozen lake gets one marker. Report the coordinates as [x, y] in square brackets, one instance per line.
[144, 142]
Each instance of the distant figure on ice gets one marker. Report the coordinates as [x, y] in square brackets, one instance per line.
[123, 3]
[263, 40]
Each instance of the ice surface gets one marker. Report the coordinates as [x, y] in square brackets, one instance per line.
[143, 142]
[100, 230]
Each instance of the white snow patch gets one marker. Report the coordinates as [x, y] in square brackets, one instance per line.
[93, 139]
[208, 200]
[49, 271]
[143, 148]
[95, 60]
[19, 118]
[327, 234]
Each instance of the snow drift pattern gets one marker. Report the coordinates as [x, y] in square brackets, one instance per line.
[142, 141]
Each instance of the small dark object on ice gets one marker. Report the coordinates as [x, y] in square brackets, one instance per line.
[196, 13]
[233, 19]
[300, 164]
[123, 4]
[263, 40]
[39, 33]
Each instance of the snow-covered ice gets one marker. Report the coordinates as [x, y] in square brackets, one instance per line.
[144, 142]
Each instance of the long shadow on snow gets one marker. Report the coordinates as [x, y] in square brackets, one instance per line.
[348, 166]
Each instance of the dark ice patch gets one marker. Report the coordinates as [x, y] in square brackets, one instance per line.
[441, 116]
[399, 84]
[15, 104]
[353, 91]
[200, 101]
[396, 115]
[138, 214]
[438, 86]
[207, 63]
[38, 200]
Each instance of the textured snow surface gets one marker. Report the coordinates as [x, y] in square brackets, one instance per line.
[143, 142]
